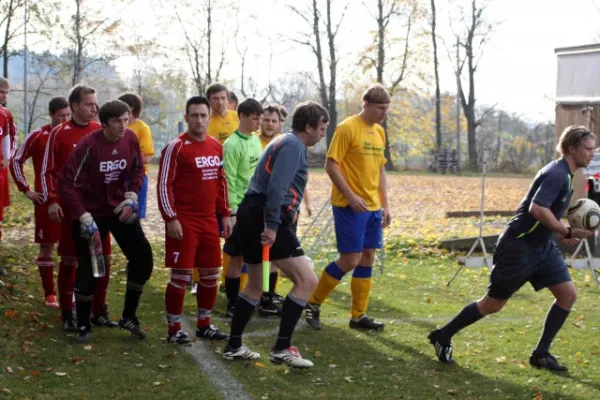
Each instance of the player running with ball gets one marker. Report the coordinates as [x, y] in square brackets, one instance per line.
[525, 252]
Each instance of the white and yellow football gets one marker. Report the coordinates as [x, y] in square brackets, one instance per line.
[584, 214]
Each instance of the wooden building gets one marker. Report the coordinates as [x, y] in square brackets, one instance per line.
[578, 94]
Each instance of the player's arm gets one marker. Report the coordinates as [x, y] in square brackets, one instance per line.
[48, 177]
[231, 162]
[164, 188]
[543, 198]
[138, 171]
[146, 144]
[284, 169]
[223, 201]
[383, 196]
[16, 167]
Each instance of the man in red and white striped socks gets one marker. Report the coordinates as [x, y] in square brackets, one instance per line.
[46, 231]
[191, 191]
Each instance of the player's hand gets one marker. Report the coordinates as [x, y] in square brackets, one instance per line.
[577, 233]
[35, 197]
[387, 217]
[228, 224]
[174, 230]
[232, 219]
[570, 242]
[4, 163]
[127, 211]
[268, 237]
[55, 212]
[357, 204]
[308, 210]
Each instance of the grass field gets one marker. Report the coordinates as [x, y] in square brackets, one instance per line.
[37, 361]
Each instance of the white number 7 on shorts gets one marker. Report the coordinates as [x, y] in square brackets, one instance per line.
[175, 256]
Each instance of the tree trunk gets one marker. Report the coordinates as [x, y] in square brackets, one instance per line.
[7, 38]
[78, 53]
[209, 39]
[331, 105]
[319, 54]
[438, 111]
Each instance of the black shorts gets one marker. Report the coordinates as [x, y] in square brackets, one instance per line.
[233, 244]
[250, 225]
[517, 262]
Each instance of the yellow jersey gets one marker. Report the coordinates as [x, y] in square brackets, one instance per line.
[222, 127]
[144, 136]
[358, 149]
[263, 142]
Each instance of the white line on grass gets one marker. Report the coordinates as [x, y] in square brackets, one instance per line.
[213, 369]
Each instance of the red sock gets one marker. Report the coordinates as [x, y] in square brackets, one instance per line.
[66, 283]
[205, 298]
[46, 270]
[100, 293]
[174, 296]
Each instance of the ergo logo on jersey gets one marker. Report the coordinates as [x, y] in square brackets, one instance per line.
[210, 161]
[109, 166]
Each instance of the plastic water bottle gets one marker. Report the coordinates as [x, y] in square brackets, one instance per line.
[98, 267]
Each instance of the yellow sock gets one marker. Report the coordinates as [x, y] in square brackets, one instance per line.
[243, 279]
[360, 287]
[331, 276]
[226, 260]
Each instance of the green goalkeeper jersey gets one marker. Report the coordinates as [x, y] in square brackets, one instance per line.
[240, 158]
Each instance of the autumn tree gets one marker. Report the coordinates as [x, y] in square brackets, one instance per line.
[206, 43]
[394, 54]
[319, 22]
[438, 111]
[475, 32]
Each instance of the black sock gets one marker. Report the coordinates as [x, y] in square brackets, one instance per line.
[244, 306]
[273, 276]
[555, 319]
[132, 299]
[84, 310]
[292, 311]
[232, 288]
[468, 315]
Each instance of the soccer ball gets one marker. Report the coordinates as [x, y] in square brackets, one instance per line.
[584, 214]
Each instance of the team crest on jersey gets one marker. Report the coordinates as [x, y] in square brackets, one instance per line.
[114, 152]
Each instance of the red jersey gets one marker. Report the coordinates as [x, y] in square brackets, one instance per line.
[61, 142]
[99, 172]
[7, 127]
[34, 146]
[191, 180]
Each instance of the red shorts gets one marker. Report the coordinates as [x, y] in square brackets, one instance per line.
[46, 230]
[2, 191]
[66, 244]
[200, 246]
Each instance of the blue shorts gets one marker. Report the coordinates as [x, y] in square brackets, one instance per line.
[356, 231]
[517, 262]
[142, 198]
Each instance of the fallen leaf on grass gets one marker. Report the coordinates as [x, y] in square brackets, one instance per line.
[156, 383]
[5, 390]
[60, 373]
[259, 365]
[580, 317]
[77, 360]
[452, 392]
[501, 360]
[88, 347]
[163, 366]
[522, 365]
[332, 365]
[9, 370]
[348, 379]
[318, 354]
[36, 373]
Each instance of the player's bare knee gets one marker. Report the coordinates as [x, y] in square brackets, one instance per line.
[489, 305]
[367, 257]
[348, 261]
[567, 299]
